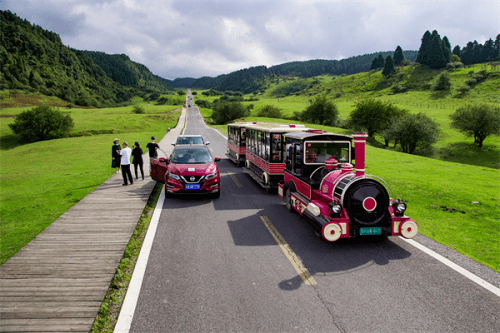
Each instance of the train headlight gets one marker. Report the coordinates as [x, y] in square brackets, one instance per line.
[399, 208]
[335, 209]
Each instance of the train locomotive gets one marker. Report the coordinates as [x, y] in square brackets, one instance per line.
[338, 200]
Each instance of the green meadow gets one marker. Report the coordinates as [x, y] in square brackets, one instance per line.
[42, 180]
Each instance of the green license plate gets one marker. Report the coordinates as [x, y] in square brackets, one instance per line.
[370, 231]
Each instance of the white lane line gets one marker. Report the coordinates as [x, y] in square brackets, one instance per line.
[455, 267]
[134, 288]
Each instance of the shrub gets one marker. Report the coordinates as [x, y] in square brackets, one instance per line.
[413, 131]
[138, 109]
[442, 82]
[321, 111]
[41, 123]
[225, 112]
[270, 111]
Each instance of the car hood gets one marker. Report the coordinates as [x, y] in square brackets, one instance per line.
[192, 169]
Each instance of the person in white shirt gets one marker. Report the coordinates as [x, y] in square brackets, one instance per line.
[126, 152]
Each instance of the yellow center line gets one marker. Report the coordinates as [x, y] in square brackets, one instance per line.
[294, 259]
[234, 179]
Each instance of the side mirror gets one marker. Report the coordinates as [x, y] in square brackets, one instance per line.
[207, 143]
[163, 160]
[217, 159]
[173, 143]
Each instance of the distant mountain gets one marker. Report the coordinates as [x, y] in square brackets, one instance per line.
[248, 80]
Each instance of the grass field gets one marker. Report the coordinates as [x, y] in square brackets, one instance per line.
[42, 180]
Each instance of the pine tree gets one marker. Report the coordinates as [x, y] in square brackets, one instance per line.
[388, 66]
[378, 62]
[446, 49]
[435, 54]
[426, 40]
[457, 51]
[398, 56]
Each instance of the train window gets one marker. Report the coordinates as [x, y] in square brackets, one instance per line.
[243, 137]
[267, 145]
[276, 148]
[319, 152]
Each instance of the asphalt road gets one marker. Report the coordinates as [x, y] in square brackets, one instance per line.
[215, 267]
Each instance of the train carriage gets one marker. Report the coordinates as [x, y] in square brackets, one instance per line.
[265, 151]
[236, 142]
[320, 183]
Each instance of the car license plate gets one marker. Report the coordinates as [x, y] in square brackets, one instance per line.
[192, 186]
[370, 231]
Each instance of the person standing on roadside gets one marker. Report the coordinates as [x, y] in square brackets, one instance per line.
[137, 159]
[152, 146]
[115, 155]
[126, 152]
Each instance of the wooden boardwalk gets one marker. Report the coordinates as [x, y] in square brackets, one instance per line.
[57, 282]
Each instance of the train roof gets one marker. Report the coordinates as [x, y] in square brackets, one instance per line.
[242, 124]
[278, 127]
[317, 135]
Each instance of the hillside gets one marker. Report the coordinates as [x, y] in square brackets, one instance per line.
[36, 60]
[126, 72]
[251, 79]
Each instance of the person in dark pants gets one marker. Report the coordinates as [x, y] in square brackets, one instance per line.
[137, 159]
[152, 146]
[115, 155]
[126, 152]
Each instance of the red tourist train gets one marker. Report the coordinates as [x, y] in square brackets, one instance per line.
[263, 150]
[314, 172]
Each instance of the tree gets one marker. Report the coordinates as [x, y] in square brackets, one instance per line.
[413, 131]
[435, 53]
[321, 111]
[378, 62]
[446, 49]
[41, 123]
[388, 66]
[225, 112]
[422, 52]
[398, 56]
[372, 116]
[479, 121]
[442, 82]
[457, 51]
[270, 111]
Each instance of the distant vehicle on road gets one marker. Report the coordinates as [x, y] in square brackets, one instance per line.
[190, 140]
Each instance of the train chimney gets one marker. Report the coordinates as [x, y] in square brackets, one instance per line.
[359, 148]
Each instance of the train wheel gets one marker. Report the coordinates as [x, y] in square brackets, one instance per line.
[288, 200]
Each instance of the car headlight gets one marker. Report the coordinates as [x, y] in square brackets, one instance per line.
[335, 209]
[210, 176]
[173, 176]
[399, 208]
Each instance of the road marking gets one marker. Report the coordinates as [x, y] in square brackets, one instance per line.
[455, 267]
[234, 179]
[134, 288]
[294, 259]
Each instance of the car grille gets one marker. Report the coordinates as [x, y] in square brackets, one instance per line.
[192, 179]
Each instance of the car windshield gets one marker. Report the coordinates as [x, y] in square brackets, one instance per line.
[195, 140]
[191, 156]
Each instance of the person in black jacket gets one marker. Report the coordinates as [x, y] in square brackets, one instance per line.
[115, 155]
[152, 146]
[137, 159]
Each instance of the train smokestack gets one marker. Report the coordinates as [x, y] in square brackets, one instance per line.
[359, 148]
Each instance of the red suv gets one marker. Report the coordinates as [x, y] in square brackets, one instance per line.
[190, 169]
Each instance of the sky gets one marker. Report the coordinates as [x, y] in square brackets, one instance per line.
[177, 39]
